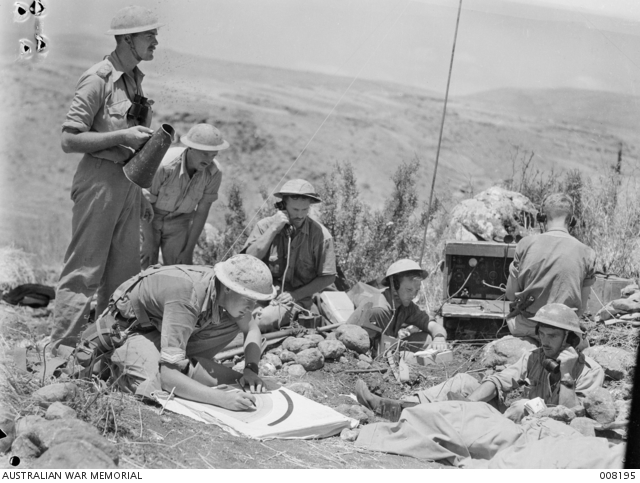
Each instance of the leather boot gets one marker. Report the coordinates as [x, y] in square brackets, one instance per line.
[384, 407]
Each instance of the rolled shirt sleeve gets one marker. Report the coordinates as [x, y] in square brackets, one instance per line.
[590, 277]
[509, 379]
[86, 103]
[327, 258]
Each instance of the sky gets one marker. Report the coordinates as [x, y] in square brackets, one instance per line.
[588, 44]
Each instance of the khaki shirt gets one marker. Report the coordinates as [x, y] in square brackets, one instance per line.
[528, 371]
[101, 102]
[179, 301]
[173, 191]
[312, 253]
[553, 267]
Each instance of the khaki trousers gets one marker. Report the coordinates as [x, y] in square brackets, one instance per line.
[170, 233]
[105, 244]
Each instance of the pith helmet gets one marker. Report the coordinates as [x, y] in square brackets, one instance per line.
[133, 19]
[403, 265]
[299, 187]
[560, 316]
[204, 137]
[246, 275]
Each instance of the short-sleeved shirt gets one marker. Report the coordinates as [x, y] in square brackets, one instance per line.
[101, 102]
[553, 267]
[179, 301]
[587, 374]
[173, 191]
[312, 253]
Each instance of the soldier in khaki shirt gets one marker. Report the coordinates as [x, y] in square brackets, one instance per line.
[183, 189]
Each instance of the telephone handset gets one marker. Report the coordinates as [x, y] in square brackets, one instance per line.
[553, 366]
[288, 229]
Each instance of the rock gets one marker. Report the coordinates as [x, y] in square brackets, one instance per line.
[343, 360]
[266, 368]
[558, 413]
[331, 336]
[599, 406]
[616, 362]
[25, 423]
[287, 356]
[362, 365]
[55, 392]
[317, 338]
[239, 367]
[584, 426]
[60, 411]
[310, 359]
[48, 434]
[297, 344]
[8, 425]
[358, 412]
[23, 447]
[332, 349]
[276, 351]
[490, 215]
[626, 305]
[304, 389]
[365, 358]
[353, 337]
[630, 290]
[296, 370]
[273, 359]
[73, 455]
[505, 351]
[349, 434]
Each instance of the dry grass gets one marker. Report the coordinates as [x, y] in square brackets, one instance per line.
[15, 268]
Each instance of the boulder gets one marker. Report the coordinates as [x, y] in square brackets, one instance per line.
[363, 365]
[626, 305]
[60, 411]
[58, 392]
[296, 370]
[8, 426]
[360, 413]
[239, 367]
[332, 349]
[557, 413]
[331, 336]
[297, 344]
[266, 368]
[616, 362]
[344, 360]
[74, 455]
[23, 447]
[504, 351]
[599, 406]
[310, 359]
[317, 338]
[349, 434]
[273, 359]
[287, 356]
[304, 389]
[25, 423]
[630, 290]
[365, 358]
[354, 338]
[491, 215]
[47, 434]
[585, 426]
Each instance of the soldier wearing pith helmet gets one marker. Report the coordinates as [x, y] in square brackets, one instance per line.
[108, 121]
[182, 192]
[298, 250]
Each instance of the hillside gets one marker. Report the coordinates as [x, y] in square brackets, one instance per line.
[270, 115]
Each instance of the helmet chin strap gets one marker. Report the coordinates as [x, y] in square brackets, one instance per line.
[133, 49]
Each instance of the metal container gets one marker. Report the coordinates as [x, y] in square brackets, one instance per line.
[143, 166]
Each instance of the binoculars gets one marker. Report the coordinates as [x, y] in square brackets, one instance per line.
[139, 110]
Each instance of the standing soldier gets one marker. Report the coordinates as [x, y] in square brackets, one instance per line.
[108, 121]
[183, 189]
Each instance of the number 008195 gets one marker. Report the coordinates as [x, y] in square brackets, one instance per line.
[617, 475]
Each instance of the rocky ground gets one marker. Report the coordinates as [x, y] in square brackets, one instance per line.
[52, 421]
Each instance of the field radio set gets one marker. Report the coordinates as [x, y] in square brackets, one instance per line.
[474, 276]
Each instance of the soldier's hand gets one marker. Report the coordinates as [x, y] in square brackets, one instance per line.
[285, 298]
[236, 400]
[281, 219]
[404, 333]
[136, 136]
[568, 359]
[146, 212]
[185, 258]
[439, 344]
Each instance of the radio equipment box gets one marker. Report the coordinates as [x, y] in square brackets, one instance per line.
[473, 275]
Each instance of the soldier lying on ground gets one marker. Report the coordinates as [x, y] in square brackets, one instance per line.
[395, 311]
[185, 315]
[559, 331]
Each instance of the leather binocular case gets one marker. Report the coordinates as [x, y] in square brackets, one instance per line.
[101, 337]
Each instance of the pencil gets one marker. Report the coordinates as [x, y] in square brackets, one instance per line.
[244, 390]
[167, 401]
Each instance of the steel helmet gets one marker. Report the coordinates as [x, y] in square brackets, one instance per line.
[559, 316]
[133, 19]
[246, 275]
[204, 137]
[403, 265]
[299, 187]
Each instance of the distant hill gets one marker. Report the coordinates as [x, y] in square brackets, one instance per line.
[271, 115]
